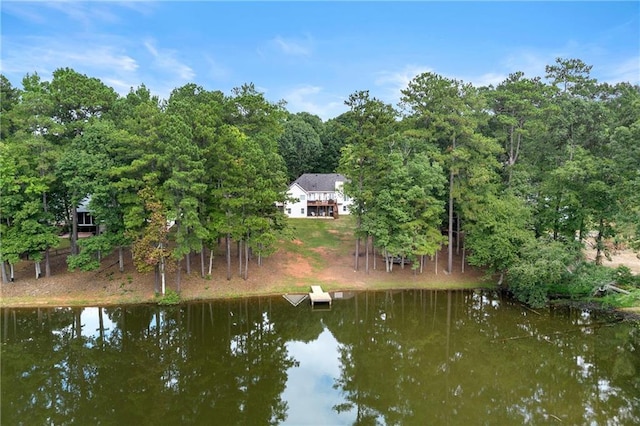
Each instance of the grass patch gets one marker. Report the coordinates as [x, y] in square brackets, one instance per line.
[63, 243]
[312, 235]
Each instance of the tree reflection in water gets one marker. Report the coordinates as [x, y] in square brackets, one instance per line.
[402, 357]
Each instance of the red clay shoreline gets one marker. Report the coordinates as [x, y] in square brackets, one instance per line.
[280, 273]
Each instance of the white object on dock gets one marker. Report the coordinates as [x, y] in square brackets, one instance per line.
[319, 296]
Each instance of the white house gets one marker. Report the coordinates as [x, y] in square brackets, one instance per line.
[317, 195]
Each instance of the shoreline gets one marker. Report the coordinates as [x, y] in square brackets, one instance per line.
[281, 273]
[321, 255]
[28, 302]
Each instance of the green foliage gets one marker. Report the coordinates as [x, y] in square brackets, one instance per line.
[585, 279]
[622, 300]
[501, 226]
[625, 278]
[170, 297]
[542, 264]
[90, 248]
[554, 157]
[300, 146]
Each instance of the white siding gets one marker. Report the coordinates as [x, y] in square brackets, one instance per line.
[297, 208]
[343, 201]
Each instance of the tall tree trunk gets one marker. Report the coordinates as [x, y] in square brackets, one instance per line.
[3, 267]
[74, 230]
[450, 245]
[11, 272]
[179, 274]
[246, 261]
[436, 262]
[156, 281]
[458, 235]
[162, 275]
[511, 160]
[387, 263]
[464, 249]
[357, 255]
[366, 250]
[228, 247]
[120, 259]
[201, 260]
[556, 221]
[45, 208]
[599, 244]
[373, 249]
[47, 264]
[210, 261]
[240, 257]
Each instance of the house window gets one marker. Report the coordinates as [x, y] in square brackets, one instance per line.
[85, 218]
[302, 210]
[302, 197]
[288, 211]
[344, 208]
[346, 197]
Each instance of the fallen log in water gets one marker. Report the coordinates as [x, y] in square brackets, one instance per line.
[610, 287]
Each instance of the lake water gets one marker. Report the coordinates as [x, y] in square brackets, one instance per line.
[391, 358]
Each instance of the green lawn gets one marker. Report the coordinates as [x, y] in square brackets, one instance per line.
[319, 234]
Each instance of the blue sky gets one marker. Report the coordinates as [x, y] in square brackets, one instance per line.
[314, 54]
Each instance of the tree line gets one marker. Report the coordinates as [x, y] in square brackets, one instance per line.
[522, 175]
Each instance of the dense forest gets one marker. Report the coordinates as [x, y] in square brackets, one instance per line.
[521, 176]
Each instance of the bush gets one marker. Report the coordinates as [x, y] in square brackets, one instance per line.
[541, 266]
[625, 278]
[588, 277]
[170, 298]
[622, 300]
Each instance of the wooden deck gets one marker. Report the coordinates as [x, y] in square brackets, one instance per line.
[319, 296]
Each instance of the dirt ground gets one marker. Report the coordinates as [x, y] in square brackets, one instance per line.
[280, 273]
[623, 257]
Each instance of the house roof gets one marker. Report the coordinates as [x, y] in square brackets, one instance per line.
[319, 182]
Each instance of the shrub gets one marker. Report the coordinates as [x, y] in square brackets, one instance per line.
[170, 298]
[542, 265]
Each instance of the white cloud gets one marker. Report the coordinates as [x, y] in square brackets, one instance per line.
[314, 100]
[626, 71]
[392, 82]
[309, 390]
[120, 86]
[44, 55]
[293, 47]
[25, 11]
[166, 61]
[399, 79]
[486, 79]
[215, 70]
[531, 63]
[86, 14]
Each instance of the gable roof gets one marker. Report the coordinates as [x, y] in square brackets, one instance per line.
[324, 182]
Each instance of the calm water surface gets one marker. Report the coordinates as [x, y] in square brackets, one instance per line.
[391, 358]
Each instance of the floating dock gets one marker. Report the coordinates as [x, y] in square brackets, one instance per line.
[319, 296]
